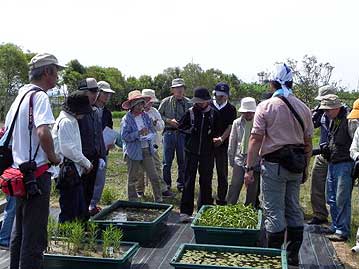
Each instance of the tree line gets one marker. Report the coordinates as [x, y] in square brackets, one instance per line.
[309, 75]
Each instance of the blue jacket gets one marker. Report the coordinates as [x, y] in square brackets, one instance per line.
[131, 137]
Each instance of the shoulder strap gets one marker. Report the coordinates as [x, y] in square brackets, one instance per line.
[291, 108]
[31, 123]
[191, 115]
[12, 126]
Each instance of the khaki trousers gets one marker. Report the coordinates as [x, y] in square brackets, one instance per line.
[147, 165]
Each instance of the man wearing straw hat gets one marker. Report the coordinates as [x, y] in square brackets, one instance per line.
[340, 165]
[158, 125]
[138, 135]
[237, 154]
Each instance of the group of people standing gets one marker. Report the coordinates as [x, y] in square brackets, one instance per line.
[268, 147]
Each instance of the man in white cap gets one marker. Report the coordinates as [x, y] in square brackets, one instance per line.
[172, 109]
[102, 99]
[340, 165]
[93, 145]
[282, 135]
[29, 238]
[237, 154]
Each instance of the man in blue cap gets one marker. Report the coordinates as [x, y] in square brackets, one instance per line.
[228, 114]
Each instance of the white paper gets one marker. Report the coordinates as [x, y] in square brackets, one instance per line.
[109, 136]
[147, 137]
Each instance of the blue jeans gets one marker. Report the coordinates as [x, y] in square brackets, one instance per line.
[9, 215]
[173, 141]
[99, 185]
[280, 189]
[339, 191]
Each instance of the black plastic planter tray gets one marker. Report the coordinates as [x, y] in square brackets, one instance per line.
[223, 235]
[175, 262]
[57, 261]
[136, 231]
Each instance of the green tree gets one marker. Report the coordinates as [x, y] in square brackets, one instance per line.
[309, 76]
[73, 73]
[13, 73]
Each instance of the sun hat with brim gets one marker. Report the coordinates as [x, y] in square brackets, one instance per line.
[201, 95]
[132, 97]
[248, 104]
[325, 90]
[354, 114]
[77, 103]
[88, 84]
[44, 59]
[104, 86]
[178, 82]
[330, 101]
[151, 93]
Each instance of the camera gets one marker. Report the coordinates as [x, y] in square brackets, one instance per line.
[323, 150]
[28, 170]
[317, 115]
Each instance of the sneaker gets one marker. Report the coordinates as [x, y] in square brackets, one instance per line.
[140, 194]
[94, 211]
[184, 218]
[326, 230]
[180, 188]
[337, 237]
[317, 221]
[167, 194]
[3, 247]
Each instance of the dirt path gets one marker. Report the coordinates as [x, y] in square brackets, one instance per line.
[349, 259]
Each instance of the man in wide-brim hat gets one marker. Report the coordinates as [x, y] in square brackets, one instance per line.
[138, 134]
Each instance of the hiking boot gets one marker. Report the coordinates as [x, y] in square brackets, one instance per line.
[294, 239]
[184, 218]
[275, 240]
[94, 211]
[317, 221]
[167, 194]
[337, 237]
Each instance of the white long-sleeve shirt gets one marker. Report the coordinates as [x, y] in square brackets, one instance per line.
[354, 148]
[67, 141]
[160, 124]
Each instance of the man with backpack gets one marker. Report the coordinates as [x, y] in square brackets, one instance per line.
[202, 125]
[30, 234]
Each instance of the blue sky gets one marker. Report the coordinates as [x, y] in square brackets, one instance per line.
[147, 36]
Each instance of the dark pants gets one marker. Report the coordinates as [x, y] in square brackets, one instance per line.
[29, 239]
[88, 181]
[72, 204]
[204, 164]
[221, 158]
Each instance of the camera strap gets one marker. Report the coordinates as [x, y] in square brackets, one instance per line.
[31, 124]
[294, 112]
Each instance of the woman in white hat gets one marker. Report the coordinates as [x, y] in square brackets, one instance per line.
[138, 135]
[158, 125]
[237, 154]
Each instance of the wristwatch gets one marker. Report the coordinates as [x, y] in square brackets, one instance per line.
[248, 168]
